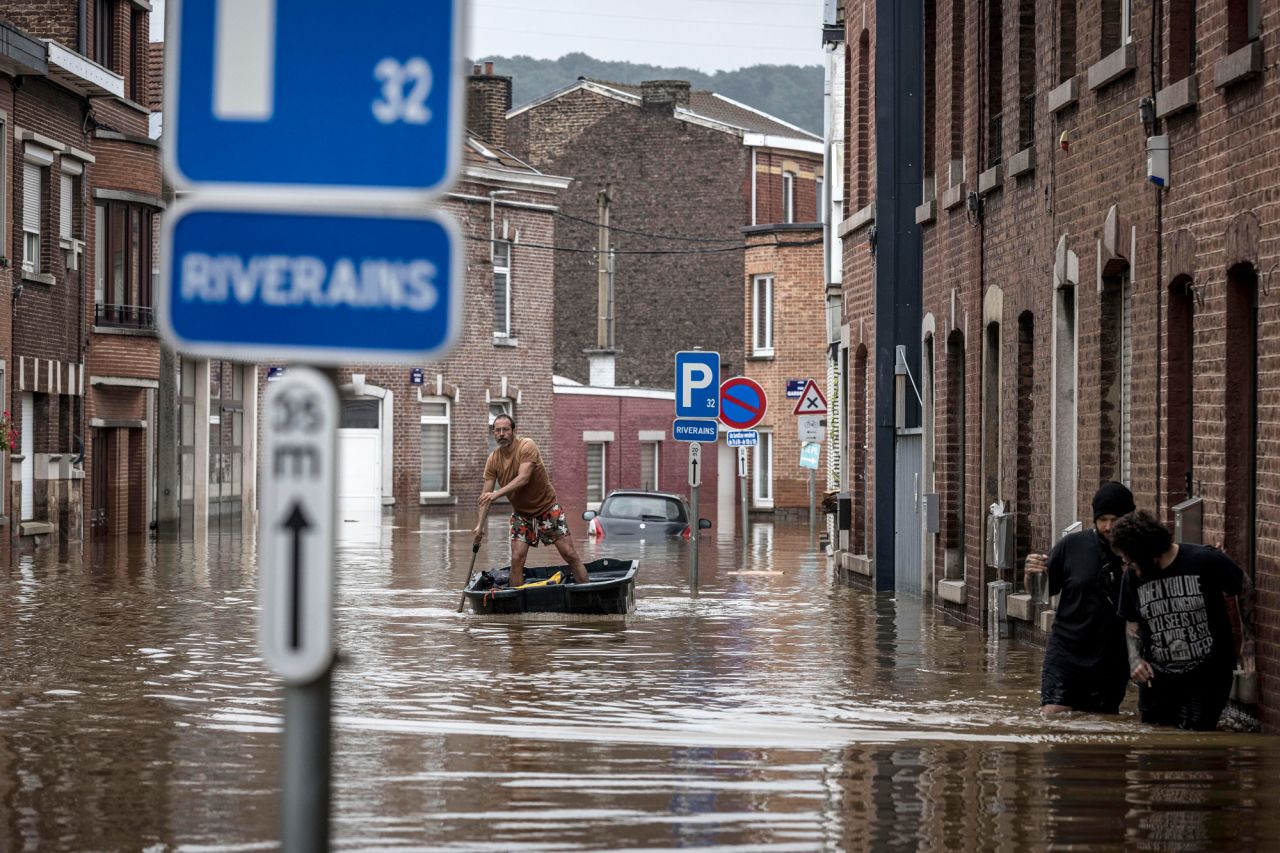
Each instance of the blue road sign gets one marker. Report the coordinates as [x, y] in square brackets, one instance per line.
[795, 387]
[809, 455]
[690, 429]
[297, 93]
[742, 438]
[274, 283]
[697, 384]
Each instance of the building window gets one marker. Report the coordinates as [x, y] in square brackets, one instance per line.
[70, 225]
[762, 472]
[762, 315]
[1115, 378]
[1066, 39]
[595, 473]
[820, 200]
[650, 454]
[434, 421]
[995, 82]
[502, 406]
[104, 47]
[138, 41]
[1243, 23]
[1116, 29]
[501, 289]
[788, 197]
[123, 268]
[1182, 39]
[33, 177]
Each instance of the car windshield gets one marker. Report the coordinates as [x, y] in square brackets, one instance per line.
[645, 507]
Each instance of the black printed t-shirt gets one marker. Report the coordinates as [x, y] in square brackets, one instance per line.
[1085, 573]
[1181, 612]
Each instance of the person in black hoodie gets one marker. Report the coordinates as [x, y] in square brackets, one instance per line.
[1086, 666]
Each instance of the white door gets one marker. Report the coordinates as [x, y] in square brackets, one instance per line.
[28, 457]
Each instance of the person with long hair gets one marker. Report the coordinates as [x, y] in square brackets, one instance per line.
[1181, 648]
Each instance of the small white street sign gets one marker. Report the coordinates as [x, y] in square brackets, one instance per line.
[813, 428]
[742, 462]
[695, 464]
[295, 526]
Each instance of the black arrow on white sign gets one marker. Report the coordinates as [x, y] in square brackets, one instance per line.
[298, 523]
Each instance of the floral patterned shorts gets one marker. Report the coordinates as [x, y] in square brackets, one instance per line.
[546, 527]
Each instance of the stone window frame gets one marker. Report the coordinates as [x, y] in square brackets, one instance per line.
[507, 334]
[762, 326]
[445, 420]
[788, 196]
[766, 447]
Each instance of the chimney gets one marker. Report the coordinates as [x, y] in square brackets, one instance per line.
[665, 94]
[488, 99]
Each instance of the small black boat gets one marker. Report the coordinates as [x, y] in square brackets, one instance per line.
[611, 590]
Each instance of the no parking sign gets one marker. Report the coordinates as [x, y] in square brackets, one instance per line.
[742, 403]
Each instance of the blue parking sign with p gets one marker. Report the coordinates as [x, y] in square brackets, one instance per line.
[697, 384]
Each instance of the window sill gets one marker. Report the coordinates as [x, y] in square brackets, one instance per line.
[1176, 97]
[861, 219]
[1239, 66]
[927, 212]
[1113, 66]
[761, 355]
[991, 180]
[953, 197]
[763, 506]
[952, 591]
[503, 341]
[1064, 95]
[39, 278]
[1021, 163]
[432, 499]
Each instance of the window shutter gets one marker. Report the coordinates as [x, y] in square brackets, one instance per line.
[64, 209]
[31, 197]
[595, 473]
[435, 462]
[648, 466]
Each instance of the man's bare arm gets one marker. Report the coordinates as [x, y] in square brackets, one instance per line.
[1139, 670]
[522, 476]
[484, 509]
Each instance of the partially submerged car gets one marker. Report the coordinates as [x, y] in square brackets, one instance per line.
[641, 515]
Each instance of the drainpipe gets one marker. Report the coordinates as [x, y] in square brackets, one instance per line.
[82, 28]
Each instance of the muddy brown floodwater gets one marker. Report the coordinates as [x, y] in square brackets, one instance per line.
[772, 712]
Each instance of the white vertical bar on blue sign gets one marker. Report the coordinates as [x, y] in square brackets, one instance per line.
[245, 60]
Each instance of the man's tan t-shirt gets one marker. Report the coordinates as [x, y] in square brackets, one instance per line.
[537, 495]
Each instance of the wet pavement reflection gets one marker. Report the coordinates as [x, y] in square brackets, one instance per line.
[774, 711]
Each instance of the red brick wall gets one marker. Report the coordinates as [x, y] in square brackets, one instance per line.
[625, 417]
[769, 187]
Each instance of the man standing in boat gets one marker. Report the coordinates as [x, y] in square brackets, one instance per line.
[536, 517]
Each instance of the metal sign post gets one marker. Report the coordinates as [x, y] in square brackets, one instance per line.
[742, 490]
[695, 480]
[295, 631]
[810, 454]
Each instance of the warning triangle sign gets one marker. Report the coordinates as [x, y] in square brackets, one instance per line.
[812, 401]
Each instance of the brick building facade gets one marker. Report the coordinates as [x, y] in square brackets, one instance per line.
[430, 440]
[85, 191]
[1079, 323]
[786, 328]
[676, 175]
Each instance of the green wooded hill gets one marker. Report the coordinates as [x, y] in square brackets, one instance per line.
[790, 92]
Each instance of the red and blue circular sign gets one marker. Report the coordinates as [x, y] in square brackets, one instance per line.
[742, 403]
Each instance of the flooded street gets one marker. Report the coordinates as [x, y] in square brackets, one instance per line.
[776, 711]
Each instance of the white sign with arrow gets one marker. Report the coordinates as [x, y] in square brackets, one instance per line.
[695, 464]
[295, 525]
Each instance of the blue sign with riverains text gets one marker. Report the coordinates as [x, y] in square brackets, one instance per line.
[275, 283]
[303, 93]
[689, 429]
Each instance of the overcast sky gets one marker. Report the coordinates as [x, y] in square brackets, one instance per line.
[709, 35]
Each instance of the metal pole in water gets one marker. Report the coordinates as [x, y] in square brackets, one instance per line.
[306, 759]
[813, 515]
[742, 489]
[693, 542]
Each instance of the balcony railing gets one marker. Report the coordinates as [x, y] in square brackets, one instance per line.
[124, 316]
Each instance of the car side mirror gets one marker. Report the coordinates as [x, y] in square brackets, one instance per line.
[704, 524]
[588, 515]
